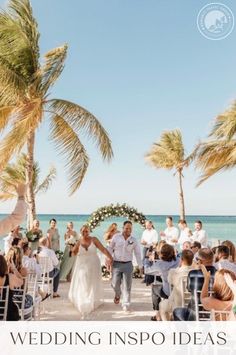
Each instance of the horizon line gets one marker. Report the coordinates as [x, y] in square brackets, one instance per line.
[147, 214]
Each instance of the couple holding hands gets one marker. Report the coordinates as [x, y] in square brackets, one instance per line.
[86, 291]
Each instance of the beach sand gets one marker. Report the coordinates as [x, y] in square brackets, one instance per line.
[60, 309]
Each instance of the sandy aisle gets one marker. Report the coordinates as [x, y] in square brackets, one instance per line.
[62, 309]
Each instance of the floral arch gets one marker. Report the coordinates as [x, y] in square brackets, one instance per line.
[117, 210]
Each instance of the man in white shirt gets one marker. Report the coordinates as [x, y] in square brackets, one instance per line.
[185, 233]
[53, 262]
[10, 222]
[30, 263]
[122, 247]
[149, 238]
[171, 233]
[199, 235]
[223, 260]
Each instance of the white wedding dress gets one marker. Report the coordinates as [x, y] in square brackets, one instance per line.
[86, 292]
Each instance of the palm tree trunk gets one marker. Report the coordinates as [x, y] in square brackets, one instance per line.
[181, 195]
[29, 180]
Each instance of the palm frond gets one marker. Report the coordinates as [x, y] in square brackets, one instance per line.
[22, 12]
[5, 196]
[214, 156]
[19, 38]
[44, 186]
[51, 70]
[5, 116]
[225, 124]
[12, 84]
[80, 119]
[168, 153]
[159, 157]
[28, 117]
[68, 143]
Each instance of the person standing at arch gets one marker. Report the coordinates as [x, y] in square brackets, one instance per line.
[171, 233]
[149, 238]
[122, 247]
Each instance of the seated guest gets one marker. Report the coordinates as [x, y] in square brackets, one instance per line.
[14, 255]
[8, 242]
[22, 242]
[222, 297]
[232, 285]
[161, 267]
[32, 266]
[199, 235]
[175, 278]
[151, 256]
[30, 263]
[195, 282]
[159, 246]
[9, 276]
[195, 247]
[186, 245]
[53, 271]
[185, 233]
[223, 259]
[232, 250]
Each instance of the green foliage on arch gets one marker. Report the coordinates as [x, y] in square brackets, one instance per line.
[117, 210]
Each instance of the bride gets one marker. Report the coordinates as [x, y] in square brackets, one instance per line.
[86, 292]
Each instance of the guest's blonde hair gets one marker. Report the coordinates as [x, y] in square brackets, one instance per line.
[110, 231]
[221, 290]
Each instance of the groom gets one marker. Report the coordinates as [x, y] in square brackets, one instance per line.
[122, 247]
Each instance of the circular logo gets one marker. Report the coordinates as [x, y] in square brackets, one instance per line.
[215, 21]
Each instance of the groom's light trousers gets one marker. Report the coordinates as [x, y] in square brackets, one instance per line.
[122, 275]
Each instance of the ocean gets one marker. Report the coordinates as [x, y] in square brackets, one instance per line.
[217, 227]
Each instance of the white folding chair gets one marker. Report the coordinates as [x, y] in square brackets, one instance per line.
[32, 290]
[19, 299]
[201, 313]
[4, 294]
[186, 295]
[45, 282]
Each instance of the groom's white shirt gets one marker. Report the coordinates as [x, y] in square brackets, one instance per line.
[122, 250]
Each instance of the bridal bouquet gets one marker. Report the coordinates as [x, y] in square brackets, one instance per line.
[71, 241]
[59, 254]
[33, 236]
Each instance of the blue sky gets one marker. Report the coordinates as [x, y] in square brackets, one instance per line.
[141, 67]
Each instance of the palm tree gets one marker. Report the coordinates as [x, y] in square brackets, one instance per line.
[25, 85]
[169, 154]
[15, 173]
[219, 151]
